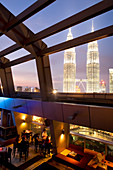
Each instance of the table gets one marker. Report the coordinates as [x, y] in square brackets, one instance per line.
[93, 164]
[65, 152]
[108, 163]
[102, 165]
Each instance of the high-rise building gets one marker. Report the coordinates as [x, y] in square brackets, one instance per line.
[93, 68]
[111, 80]
[19, 88]
[36, 89]
[69, 82]
[78, 90]
[32, 89]
[27, 89]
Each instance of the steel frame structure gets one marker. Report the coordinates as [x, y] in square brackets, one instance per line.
[23, 37]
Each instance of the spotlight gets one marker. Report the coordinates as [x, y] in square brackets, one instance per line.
[72, 117]
[54, 91]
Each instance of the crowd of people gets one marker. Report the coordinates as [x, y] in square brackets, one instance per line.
[22, 146]
[41, 143]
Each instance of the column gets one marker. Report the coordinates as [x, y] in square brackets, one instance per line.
[60, 140]
[44, 75]
[7, 80]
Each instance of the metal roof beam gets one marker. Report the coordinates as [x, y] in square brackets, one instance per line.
[10, 50]
[102, 33]
[27, 13]
[84, 15]
[18, 61]
[18, 34]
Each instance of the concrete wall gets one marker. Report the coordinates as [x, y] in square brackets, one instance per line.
[99, 117]
[60, 141]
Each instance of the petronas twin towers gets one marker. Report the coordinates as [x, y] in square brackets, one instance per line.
[69, 81]
[92, 67]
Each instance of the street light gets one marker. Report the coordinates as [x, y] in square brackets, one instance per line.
[54, 91]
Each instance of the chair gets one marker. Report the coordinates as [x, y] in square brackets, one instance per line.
[1, 160]
[24, 148]
[9, 154]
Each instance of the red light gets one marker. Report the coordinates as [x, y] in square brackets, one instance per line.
[102, 82]
[1, 148]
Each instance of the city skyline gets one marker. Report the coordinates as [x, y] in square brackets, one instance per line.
[26, 74]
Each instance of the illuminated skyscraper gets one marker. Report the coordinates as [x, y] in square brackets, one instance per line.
[93, 68]
[69, 83]
[111, 80]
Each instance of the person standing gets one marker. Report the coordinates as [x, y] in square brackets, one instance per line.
[36, 141]
[44, 134]
[47, 145]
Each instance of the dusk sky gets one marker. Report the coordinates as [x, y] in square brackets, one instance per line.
[26, 74]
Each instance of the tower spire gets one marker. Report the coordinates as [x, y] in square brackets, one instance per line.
[69, 30]
[69, 36]
[92, 26]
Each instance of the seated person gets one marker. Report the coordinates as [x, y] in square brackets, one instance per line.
[97, 159]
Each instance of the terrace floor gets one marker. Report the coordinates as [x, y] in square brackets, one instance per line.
[34, 160]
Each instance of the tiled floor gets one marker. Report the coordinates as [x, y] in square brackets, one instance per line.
[15, 160]
[59, 166]
[36, 164]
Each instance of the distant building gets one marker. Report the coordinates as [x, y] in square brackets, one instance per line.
[69, 82]
[92, 67]
[78, 89]
[27, 89]
[102, 86]
[111, 80]
[32, 89]
[19, 88]
[36, 89]
[81, 83]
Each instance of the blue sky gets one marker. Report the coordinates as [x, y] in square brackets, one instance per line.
[26, 73]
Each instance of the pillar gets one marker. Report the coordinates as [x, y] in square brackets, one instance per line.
[4, 118]
[44, 75]
[60, 140]
[7, 80]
